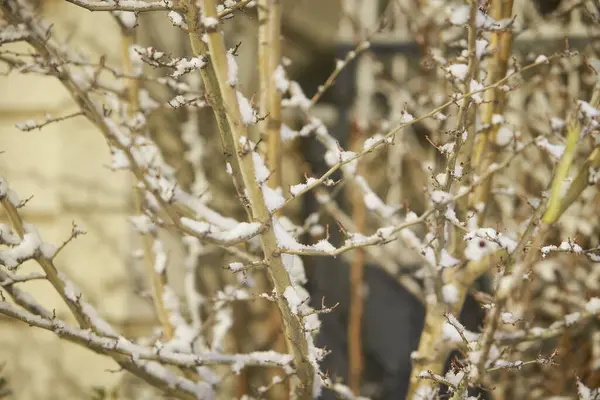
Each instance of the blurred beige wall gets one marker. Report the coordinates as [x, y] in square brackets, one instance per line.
[64, 167]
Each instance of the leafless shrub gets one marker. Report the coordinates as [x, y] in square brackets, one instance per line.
[510, 194]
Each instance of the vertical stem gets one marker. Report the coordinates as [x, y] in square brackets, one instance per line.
[355, 355]
[263, 61]
[365, 13]
[157, 281]
[494, 100]
[269, 55]
[274, 119]
[466, 121]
